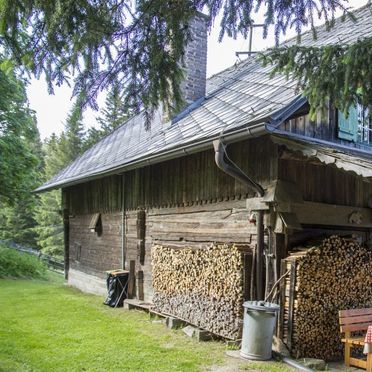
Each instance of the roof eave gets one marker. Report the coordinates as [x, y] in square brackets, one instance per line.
[253, 130]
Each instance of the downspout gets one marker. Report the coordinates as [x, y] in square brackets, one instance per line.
[228, 167]
[232, 170]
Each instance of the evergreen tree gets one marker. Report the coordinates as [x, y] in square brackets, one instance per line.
[114, 113]
[20, 161]
[344, 83]
[140, 46]
[58, 152]
[49, 227]
[92, 137]
[71, 141]
[18, 132]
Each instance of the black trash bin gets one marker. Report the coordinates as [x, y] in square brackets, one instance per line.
[117, 285]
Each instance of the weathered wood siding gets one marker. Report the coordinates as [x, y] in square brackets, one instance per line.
[103, 195]
[196, 178]
[194, 226]
[187, 201]
[325, 183]
[324, 127]
[95, 253]
[183, 181]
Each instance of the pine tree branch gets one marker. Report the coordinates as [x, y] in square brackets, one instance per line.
[102, 41]
[340, 73]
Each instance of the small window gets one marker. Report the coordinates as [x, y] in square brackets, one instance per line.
[357, 127]
[364, 125]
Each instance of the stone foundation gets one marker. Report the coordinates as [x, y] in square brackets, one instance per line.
[87, 283]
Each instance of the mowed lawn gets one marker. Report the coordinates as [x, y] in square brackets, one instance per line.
[45, 326]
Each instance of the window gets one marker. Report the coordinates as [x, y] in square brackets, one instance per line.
[357, 127]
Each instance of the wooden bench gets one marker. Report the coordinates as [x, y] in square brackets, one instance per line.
[352, 321]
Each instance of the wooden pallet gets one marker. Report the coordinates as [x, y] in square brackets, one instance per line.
[137, 304]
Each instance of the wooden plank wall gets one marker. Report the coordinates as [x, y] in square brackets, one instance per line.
[188, 201]
[196, 178]
[95, 253]
[194, 226]
[197, 227]
[179, 182]
[324, 127]
[103, 195]
[325, 183]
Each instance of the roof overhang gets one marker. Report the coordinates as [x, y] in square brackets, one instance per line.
[252, 130]
[240, 132]
[348, 159]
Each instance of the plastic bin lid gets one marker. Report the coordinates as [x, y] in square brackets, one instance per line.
[118, 272]
[261, 305]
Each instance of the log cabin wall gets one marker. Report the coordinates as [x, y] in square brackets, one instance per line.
[323, 127]
[95, 252]
[99, 196]
[325, 183]
[194, 226]
[179, 182]
[188, 201]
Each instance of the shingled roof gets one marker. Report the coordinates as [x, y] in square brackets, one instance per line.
[239, 99]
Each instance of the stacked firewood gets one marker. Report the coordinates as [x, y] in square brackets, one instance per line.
[201, 286]
[327, 278]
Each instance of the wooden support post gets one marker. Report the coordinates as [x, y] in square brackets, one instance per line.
[141, 234]
[141, 251]
[270, 277]
[259, 256]
[280, 323]
[292, 286]
[140, 295]
[123, 223]
[280, 252]
[66, 237]
[132, 279]
[254, 276]
[247, 276]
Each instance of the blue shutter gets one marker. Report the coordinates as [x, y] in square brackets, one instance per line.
[348, 128]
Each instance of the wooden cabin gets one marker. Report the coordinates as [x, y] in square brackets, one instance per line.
[137, 189]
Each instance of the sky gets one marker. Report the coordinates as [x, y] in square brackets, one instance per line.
[52, 110]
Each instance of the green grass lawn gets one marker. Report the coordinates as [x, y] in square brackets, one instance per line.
[45, 326]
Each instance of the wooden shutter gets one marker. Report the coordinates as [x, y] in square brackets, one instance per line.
[348, 127]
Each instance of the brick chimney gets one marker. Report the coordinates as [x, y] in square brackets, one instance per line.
[195, 60]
